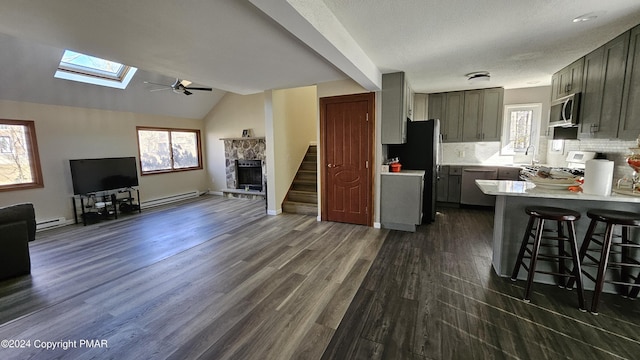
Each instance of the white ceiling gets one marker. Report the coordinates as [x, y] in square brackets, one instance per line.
[250, 46]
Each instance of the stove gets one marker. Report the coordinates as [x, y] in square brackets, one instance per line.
[576, 161]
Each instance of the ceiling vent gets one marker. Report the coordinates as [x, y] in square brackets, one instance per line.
[478, 77]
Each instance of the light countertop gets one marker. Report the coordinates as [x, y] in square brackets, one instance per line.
[406, 173]
[528, 189]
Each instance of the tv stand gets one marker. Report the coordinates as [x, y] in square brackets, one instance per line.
[94, 207]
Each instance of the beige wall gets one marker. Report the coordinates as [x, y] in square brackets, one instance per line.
[65, 133]
[294, 120]
[227, 119]
[347, 87]
[540, 94]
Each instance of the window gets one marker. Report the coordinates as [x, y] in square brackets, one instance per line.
[521, 128]
[19, 160]
[168, 150]
[92, 70]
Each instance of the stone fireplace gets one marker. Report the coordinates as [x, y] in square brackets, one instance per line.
[245, 164]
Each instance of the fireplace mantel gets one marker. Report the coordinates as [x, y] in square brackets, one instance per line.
[244, 138]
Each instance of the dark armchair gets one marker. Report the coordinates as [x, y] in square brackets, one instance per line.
[17, 228]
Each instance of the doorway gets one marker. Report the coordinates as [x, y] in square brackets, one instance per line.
[346, 162]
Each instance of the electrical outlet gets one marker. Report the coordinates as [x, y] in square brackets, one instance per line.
[461, 153]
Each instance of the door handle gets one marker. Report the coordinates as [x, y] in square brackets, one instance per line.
[332, 165]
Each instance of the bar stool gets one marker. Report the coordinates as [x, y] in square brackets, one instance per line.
[626, 220]
[560, 216]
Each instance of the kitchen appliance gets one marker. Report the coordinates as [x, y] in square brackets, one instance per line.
[422, 152]
[470, 193]
[577, 159]
[564, 111]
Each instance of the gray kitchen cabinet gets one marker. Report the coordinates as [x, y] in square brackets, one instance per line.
[395, 108]
[451, 126]
[568, 80]
[629, 127]
[449, 184]
[443, 184]
[591, 97]
[492, 111]
[472, 123]
[401, 200]
[420, 107]
[455, 184]
[509, 173]
[603, 95]
[437, 107]
[472, 115]
[409, 99]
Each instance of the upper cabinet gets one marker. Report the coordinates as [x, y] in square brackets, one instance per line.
[492, 111]
[568, 80]
[472, 115]
[472, 123]
[451, 126]
[604, 71]
[629, 121]
[420, 106]
[397, 107]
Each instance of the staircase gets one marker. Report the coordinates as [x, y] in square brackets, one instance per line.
[302, 197]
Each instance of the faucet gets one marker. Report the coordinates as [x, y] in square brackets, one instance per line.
[533, 155]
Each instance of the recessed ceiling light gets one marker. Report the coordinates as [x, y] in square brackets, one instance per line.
[585, 17]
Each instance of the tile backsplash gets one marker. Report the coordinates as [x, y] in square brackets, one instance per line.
[615, 150]
[489, 153]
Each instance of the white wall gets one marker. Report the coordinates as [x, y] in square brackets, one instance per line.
[294, 120]
[65, 133]
[227, 119]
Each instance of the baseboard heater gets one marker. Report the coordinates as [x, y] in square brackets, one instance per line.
[170, 199]
[52, 223]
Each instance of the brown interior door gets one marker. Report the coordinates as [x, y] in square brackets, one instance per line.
[347, 143]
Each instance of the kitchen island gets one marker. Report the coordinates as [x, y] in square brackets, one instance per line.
[510, 219]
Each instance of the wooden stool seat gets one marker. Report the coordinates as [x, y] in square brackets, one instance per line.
[625, 262]
[615, 217]
[561, 217]
[552, 213]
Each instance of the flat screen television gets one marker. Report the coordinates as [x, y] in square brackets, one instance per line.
[93, 175]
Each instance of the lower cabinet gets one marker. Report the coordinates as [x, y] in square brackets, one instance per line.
[401, 200]
[449, 182]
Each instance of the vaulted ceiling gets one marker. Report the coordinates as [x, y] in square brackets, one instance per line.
[250, 46]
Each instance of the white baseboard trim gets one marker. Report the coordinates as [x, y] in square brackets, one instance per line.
[319, 218]
[274, 212]
[377, 225]
[211, 192]
[52, 223]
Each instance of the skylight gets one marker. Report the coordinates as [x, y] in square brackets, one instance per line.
[92, 70]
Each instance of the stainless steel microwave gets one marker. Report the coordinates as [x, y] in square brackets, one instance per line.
[564, 111]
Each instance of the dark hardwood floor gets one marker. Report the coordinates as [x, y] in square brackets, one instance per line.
[216, 278]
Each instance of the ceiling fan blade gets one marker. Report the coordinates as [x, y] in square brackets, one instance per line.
[166, 88]
[152, 83]
[199, 88]
[187, 92]
[185, 82]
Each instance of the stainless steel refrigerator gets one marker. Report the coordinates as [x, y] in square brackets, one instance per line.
[422, 151]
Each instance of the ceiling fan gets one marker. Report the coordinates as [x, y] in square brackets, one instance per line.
[179, 86]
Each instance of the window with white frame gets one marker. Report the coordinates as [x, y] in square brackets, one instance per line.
[89, 69]
[521, 128]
